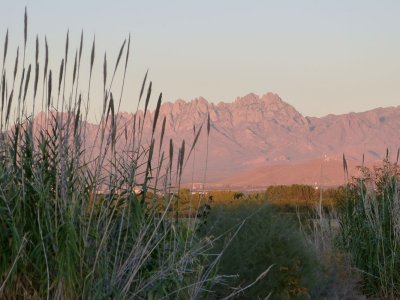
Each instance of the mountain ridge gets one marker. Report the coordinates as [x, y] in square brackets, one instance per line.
[255, 131]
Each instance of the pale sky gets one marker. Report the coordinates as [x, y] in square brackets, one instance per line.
[320, 56]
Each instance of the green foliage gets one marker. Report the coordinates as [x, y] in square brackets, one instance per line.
[369, 215]
[263, 238]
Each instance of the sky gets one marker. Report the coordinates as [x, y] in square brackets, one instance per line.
[321, 57]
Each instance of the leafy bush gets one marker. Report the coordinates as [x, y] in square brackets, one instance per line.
[369, 215]
[257, 237]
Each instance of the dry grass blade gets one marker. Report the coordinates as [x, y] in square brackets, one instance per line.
[5, 48]
[156, 113]
[60, 76]
[241, 290]
[49, 88]
[28, 76]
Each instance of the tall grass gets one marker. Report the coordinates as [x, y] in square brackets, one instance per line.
[71, 225]
[369, 215]
[263, 252]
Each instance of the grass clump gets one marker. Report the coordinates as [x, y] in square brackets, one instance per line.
[265, 253]
[71, 224]
[369, 216]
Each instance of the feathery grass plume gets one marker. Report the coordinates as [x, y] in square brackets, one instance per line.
[21, 84]
[194, 143]
[3, 90]
[16, 64]
[60, 77]
[156, 113]
[208, 124]
[75, 67]
[362, 162]
[345, 170]
[5, 50]
[142, 89]
[162, 133]
[397, 157]
[113, 124]
[181, 158]
[92, 56]
[28, 76]
[125, 68]
[149, 159]
[10, 98]
[146, 104]
[117, 62]
[49, 89]
[25, 29]
[171, 154]
[36, 79]
[37, 50]
[80, 47]
[77, 116]
[66, 49]
[127, 52]
[46, 59]
[119, 56]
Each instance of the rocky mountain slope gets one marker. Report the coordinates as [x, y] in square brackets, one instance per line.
[255, 132]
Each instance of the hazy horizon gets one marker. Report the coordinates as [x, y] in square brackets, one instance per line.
[321, 58]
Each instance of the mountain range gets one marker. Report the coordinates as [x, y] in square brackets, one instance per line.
[266, 138]
[262, 140]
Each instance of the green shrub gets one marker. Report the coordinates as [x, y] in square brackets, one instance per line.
[369, 215]
[265, 239]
